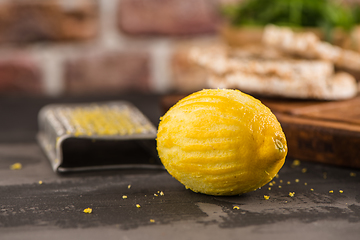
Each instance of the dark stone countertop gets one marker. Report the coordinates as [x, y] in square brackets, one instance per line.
[54, 209]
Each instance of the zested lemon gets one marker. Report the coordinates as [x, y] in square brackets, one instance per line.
[221, 142]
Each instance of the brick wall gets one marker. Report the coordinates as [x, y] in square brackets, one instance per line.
[60, 47]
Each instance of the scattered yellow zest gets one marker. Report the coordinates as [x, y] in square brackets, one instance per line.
[288, 182]
[104, 120]
[155, 195]
[341, 191]
[138, 205]
[295, 163]
[297, 180]
[305, 184]
[270, 184]
[87, 210]
[312, 189]
[161, 193]
[269, 188]
[124, 197]
[129, 186]
[273, 182]
[281, 181]
[16, 166]
[266, 197]
[352, 174]
[331, 191]
[277, 176]
[236, 207]
[279, 186]
[304, 170]
[40, 182]
[152, 220]
[291, 194]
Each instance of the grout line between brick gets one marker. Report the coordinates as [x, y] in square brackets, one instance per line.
[160, 66]
[51, 65]
[110, 36]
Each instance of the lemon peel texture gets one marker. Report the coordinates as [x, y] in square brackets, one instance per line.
[221, 142]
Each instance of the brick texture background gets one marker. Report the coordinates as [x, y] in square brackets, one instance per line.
[85, 47]
[167, 17]
[24, 22]
[107, 72]
[20, 74]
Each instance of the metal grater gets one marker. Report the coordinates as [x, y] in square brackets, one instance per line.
[93, 136]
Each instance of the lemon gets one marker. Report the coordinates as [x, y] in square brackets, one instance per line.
[221, 142]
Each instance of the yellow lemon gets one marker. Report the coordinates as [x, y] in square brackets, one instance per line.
[221, 142]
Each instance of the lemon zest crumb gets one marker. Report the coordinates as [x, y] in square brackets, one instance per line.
[152, 220]
[295, 163]
[40, 182]
[236, 207]
[288, 182]
[305, 184]
[297, 180]
[279, 186]
[304, 170]
[331, 191]
[352, 174]
[341, 191]
[311, 189]
[129, 186]
[291, 194]
[269, 188]
[87, 210]
[266, 197]
[16, 166]
[138, 205]
[162, 193]
[155, 195]
[124, 197]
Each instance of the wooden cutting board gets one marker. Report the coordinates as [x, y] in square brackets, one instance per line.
[321, 131]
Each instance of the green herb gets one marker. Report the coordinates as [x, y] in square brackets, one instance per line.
[324, 14]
